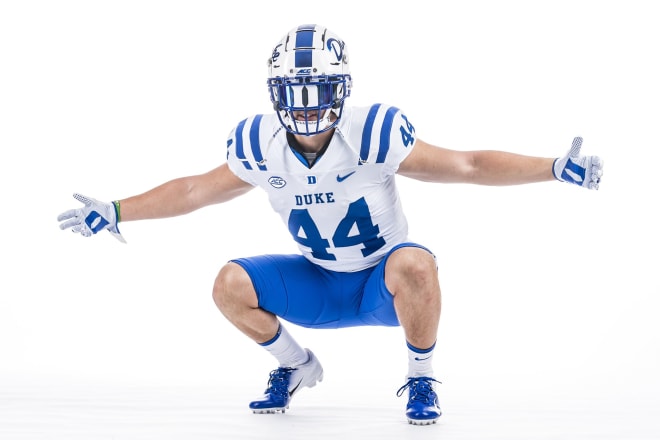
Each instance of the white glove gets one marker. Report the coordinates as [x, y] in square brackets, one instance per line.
[95, 216]
[585, 171]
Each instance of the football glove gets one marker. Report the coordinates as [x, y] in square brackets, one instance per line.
[584, 171]
[92, 218]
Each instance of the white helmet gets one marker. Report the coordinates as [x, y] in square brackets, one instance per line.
[309, 75]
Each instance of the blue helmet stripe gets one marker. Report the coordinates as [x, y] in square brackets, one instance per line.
[303, 58]
[366, 133]
[254, 142]
[304, 45]
[385, 132]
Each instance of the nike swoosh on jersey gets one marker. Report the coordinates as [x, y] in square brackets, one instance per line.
[342, 178]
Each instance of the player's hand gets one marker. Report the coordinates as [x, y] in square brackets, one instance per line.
[585, 171]
[95, 216]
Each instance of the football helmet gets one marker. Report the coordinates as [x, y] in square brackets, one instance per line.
[309, 79]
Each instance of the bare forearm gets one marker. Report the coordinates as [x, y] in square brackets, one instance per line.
[183, 195]
[482, 167]
[167, 200]
[503, 168]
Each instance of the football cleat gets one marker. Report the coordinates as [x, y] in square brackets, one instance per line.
[423, 407]
[284, 382]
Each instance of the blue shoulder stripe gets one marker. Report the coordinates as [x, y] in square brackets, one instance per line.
[240, 154]
[366, 133]
[255, 143]
[384, 144]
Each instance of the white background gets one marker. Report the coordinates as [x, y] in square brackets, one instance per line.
[550, 292]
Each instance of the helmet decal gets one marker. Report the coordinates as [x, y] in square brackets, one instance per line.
[276, 53]
[337, 47]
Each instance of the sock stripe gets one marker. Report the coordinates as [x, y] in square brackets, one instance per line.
[273, 339]
[420, 350]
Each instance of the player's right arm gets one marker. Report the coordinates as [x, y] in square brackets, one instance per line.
[184, 195]
[173, 198]
[176, 197]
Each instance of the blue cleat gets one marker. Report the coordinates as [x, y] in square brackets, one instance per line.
[284, 382]
[423, 407]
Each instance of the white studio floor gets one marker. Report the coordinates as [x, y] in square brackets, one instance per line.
[71, 410]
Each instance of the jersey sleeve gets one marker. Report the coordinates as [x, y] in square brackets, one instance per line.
[387, 136]
[243, 149]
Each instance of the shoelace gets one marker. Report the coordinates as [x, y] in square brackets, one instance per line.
[421, 389]
[278, 383]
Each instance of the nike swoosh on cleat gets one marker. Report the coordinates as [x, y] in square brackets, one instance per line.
[293, 390]
[342, 178]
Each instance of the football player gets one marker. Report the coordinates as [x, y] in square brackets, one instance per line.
[329, 171]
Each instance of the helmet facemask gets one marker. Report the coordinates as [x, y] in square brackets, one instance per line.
[309, 80]
[304, 105]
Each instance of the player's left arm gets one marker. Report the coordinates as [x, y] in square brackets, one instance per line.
[430, 163]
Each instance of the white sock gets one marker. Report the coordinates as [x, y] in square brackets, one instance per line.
[285, 349]
[420, 361]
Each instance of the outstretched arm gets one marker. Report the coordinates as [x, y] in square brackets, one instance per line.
[183, 195]
[176, 197]
[488, 167]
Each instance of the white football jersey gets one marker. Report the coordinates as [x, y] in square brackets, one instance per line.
[344, 212]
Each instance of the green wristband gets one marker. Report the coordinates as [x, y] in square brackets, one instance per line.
[115, 203]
